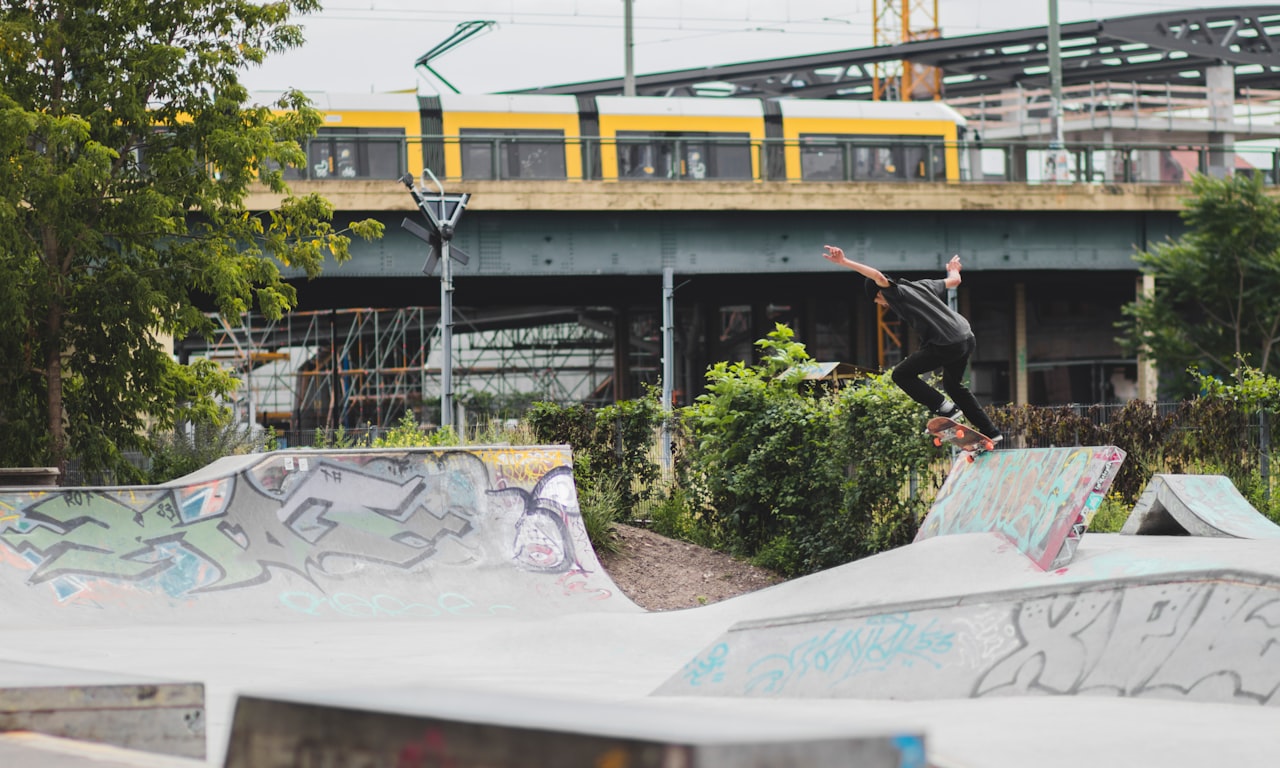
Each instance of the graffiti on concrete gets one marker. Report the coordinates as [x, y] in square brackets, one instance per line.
[1215, 638]
[1042, 500]
[878, 643]
[319, 515]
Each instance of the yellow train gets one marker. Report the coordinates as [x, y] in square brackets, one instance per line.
[615, 138]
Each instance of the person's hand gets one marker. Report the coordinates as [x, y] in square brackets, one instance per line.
[833, 254]
[954, 264]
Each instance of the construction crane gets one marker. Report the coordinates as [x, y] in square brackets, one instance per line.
[903, 21]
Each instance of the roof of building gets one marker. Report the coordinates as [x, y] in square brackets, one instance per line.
[1167, 47]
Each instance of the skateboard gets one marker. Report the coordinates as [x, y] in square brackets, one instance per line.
[966, 438]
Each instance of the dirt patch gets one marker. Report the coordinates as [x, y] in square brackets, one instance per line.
[663, 574]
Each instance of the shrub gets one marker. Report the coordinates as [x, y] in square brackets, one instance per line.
[800, 479]
[180, 452]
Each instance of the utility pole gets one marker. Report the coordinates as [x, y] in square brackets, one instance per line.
[1059, 170]
[668, 361]
[628, 46]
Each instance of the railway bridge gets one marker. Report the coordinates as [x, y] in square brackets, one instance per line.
[557, 268]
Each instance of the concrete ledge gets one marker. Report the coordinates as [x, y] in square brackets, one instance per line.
[11, 477]
[468, 728]
[372, 196]
[134, 713]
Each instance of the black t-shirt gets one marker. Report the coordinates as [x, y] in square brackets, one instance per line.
[922, 305]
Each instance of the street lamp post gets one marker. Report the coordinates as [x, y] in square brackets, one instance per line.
[442, 212]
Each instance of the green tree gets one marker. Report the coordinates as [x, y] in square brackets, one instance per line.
[129, 147]
[1217, 287]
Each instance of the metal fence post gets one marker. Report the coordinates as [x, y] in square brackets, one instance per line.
[1264, 449]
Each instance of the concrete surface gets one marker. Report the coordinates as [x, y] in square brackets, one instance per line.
[363, 643]
[37, 750]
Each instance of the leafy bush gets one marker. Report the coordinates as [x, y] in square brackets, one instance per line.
[407, 433]
[616, 442]
[760, 449]
[892, 482]
[801, 479]
[180, 452]
[601, 502]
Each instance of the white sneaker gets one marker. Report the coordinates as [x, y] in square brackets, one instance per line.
[948, 410]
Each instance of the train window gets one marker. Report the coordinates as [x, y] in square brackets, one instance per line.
[514, 154]
[675, 155]
[353, 153]
[869, 158]
[822, 159]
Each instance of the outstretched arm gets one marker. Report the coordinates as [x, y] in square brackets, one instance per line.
[953, 272]
[836, 256]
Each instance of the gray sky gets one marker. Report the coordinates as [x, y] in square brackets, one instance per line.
[370, 45]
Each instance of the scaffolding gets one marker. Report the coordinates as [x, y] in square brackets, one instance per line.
[368, 367]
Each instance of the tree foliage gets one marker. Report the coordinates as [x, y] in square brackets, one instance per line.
[1217, 287]
[129, 148]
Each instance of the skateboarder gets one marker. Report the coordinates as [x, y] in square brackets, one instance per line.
[946, 340]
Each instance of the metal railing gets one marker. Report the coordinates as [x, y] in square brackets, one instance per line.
[1115, 104]
[888, 160]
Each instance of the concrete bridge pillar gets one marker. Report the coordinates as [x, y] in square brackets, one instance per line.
[1221, 81]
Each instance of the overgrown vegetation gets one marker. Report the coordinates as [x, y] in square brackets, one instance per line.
[800, 478]
[798, 475]
[793, 474]
[180, 452]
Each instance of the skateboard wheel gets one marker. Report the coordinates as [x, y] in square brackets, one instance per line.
[960, 433]
[969, 457]
[937, 441]
[988, 445]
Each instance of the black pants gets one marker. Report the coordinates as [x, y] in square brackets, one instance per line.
[952, 359]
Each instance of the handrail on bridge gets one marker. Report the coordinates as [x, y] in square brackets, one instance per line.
[839, 159]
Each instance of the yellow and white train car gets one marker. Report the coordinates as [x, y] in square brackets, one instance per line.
[870, 140]
[497, 136]
[363, 135]
[650, 137]
[615, 138]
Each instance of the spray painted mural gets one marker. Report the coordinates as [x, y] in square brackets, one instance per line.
[318, 527]
[1209, 637]
[1041, 499]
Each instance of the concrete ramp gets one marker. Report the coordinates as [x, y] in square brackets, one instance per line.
[1041, 499]
[1197, 505]
[425, 534]
[1206, 637]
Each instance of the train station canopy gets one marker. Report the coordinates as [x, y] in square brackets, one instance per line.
[1174, 47]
